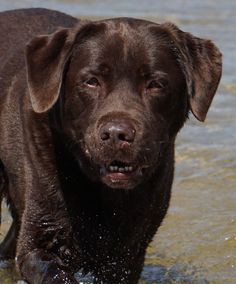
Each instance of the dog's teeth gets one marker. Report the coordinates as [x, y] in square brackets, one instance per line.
[111, 168]
[120, 169]
[128, 169]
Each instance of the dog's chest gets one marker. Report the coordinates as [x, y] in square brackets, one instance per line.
[107, 242]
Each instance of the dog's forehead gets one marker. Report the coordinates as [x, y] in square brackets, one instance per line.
[124, 42]
[120, 27]
[129, 34]
[127, 27]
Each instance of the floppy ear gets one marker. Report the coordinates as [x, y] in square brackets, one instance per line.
[201, 62]
[46, 57]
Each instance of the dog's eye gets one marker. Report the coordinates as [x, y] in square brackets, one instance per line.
[92, 82]
[157, 84]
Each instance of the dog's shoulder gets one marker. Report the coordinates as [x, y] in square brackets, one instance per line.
[17, 27]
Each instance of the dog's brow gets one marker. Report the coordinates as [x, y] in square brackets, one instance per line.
[97, 69]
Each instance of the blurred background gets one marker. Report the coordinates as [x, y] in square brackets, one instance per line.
[197, 241]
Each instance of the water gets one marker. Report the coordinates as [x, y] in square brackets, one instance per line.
[197, 241]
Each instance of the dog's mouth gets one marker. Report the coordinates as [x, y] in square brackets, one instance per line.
[118, 174]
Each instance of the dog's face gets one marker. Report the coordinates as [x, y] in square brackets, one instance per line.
[127, 88]
[124, 92]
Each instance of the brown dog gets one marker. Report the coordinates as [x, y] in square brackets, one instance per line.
[87, 130]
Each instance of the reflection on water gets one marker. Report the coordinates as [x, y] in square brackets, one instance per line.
[197, 241]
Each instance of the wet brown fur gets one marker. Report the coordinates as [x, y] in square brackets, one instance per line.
[66, 215]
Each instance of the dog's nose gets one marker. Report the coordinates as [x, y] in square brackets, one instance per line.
[117, 132]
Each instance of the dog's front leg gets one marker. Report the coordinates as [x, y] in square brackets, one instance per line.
[45, 247]
[45, 251]
[41, 267]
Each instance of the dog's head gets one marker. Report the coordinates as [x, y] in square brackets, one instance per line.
[128, 86]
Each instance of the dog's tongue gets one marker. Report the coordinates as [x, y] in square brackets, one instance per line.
[117, 176]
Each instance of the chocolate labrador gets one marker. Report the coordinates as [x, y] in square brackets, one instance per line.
[89, 113]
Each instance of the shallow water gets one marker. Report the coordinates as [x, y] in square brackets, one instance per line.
[197, 241]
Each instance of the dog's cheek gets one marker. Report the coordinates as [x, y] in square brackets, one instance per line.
[74, 106]
[171, 111]
[92, 146]
[154, 135]
[76, 115]
[178, 113]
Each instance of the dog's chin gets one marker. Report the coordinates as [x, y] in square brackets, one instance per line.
[120, 181]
